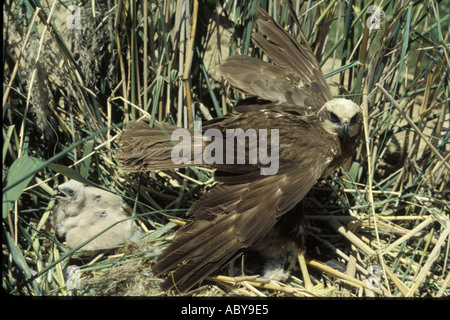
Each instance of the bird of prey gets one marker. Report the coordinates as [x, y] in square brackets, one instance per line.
[317, 134]
[83, 212]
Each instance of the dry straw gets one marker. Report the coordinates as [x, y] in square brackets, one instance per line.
[378, 227]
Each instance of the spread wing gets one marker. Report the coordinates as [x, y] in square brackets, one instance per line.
[237, 214]
[241, 211]
[144, 148]
[295, 77]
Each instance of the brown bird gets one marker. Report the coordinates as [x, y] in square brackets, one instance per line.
[317, 134]
[83, 212]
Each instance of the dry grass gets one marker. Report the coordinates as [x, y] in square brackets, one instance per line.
[383, 221]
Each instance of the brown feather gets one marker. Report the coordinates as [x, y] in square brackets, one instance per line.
[144, 148]
[237, 215]
[232, 218]
[219, 233]
[290, 54]
[268, 82]
[248, 208]
[295, 78]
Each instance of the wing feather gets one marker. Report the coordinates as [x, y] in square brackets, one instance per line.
[268, 82]
[144, 148]
[232, 218]
[295, 77]
[290, 54]
[245, 208]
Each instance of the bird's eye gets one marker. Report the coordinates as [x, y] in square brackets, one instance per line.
[69, 191]
[334, 118]
[354, 119]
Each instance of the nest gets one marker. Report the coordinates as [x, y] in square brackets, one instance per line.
[378, 227]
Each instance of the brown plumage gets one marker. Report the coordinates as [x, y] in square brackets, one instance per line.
[249, 210]
[295, 78]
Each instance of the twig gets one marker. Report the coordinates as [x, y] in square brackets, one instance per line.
[352, 281]
[304, 269]
[188, 63]
[421, 226]
[351, 236]
[412, 124]
[22, 50]
[431, 259]
[444, 286]
[370, 175]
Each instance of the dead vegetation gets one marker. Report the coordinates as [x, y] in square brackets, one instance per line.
[380, 227]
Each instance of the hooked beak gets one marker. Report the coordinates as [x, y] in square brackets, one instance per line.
[60, 194]
[345, 125]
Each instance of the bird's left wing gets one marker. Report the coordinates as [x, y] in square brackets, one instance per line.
[294, 77]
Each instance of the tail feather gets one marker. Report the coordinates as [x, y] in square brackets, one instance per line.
[144, 148]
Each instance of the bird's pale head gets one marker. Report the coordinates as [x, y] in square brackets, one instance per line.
[341, 117]
[71, 190]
